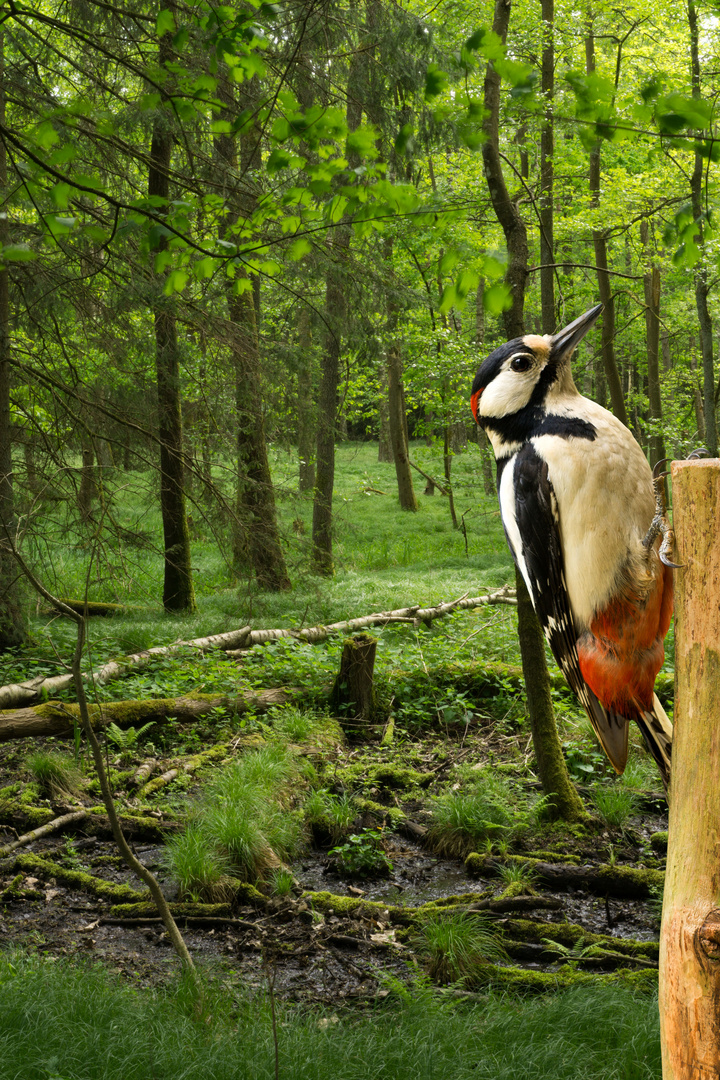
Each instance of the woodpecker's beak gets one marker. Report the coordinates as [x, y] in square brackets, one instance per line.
[563, 343]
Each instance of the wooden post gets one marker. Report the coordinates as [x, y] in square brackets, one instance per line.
[690, 934]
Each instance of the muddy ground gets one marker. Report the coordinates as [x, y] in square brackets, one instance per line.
[334, 938]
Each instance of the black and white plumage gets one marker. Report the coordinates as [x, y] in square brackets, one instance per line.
[577, 500]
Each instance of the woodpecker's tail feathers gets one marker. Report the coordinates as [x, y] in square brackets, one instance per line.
[610, 728]
[658, 732]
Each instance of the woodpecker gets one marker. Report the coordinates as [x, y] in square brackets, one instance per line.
[583, 515]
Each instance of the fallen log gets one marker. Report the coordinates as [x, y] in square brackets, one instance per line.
[236, 642]
[32, 690]
[44, 830]
[59, 717]
[623, 882]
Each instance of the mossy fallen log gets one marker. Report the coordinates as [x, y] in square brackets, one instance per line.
[621, 882]
[59, 718]
[518, 980]
[244, 894]
[570, 935]
[98, 608]
[76, 879]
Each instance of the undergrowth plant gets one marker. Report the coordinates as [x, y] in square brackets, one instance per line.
[615, 804]
[57, 774]
[454, 945]
[242, 827]
[362, 856]
[484, 809]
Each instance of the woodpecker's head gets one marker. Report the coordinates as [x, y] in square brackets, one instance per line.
[515, 386]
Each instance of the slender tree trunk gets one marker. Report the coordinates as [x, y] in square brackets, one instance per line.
[178, 593]
[322, 547]
[690, 933]
[702, 287]
[306, 405]
[385, 453]
[257, 531]
[547, 270]
[564, 800]
[322, 529]
[12, 627]
[651, 280]
[607, 342]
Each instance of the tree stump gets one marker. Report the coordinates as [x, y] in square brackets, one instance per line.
[690, 934]
[352, 697]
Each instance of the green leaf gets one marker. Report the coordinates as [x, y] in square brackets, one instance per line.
[16, 253]
[46, 135]
[176, 281]
[162, 259]
[497, 298]
[435, 81]
[205, 268]
[298, 248]
[165, 23]
[60, 195]
[404, 141]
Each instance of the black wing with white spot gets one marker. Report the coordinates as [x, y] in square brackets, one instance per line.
[536, 517]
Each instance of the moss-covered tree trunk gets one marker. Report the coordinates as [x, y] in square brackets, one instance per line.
[690, 934]
[563, 800]
[552, 770]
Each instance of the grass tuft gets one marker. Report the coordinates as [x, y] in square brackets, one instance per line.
[456, 944]
[57, 774]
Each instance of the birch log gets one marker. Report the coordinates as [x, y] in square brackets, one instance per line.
[690, 934]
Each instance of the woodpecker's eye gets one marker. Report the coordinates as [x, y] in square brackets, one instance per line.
[520, 363]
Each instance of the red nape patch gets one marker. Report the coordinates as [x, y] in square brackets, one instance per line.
[474, 402]
[623, 651]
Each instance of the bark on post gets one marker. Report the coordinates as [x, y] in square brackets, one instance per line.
[690, 934]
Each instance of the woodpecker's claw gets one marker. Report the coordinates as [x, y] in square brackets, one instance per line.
[699, 452]
[660, 523]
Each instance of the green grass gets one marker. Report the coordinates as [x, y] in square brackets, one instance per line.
[456, 944]
[242, 826]
[59, 1022]
[615, 804]
[463, 820]
[56, 773]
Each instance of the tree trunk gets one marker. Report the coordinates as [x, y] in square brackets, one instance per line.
[12, 627]
[306, 405]
[505, 208]
[86, 491]
[256, 532]
[607, 342]
[327, 423]
[551, 764]
[702, 287]
[547, 270]
[651, 280]
[178, 593]
[352, 697]
[385, 453]
[322, 547]
[398, 429]
[690, 934]
[563, 800]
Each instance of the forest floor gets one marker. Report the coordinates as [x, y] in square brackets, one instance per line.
[419, 869]
[559, 898]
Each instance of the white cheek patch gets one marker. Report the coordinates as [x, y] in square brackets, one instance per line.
[507, 511]
[508, 392]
